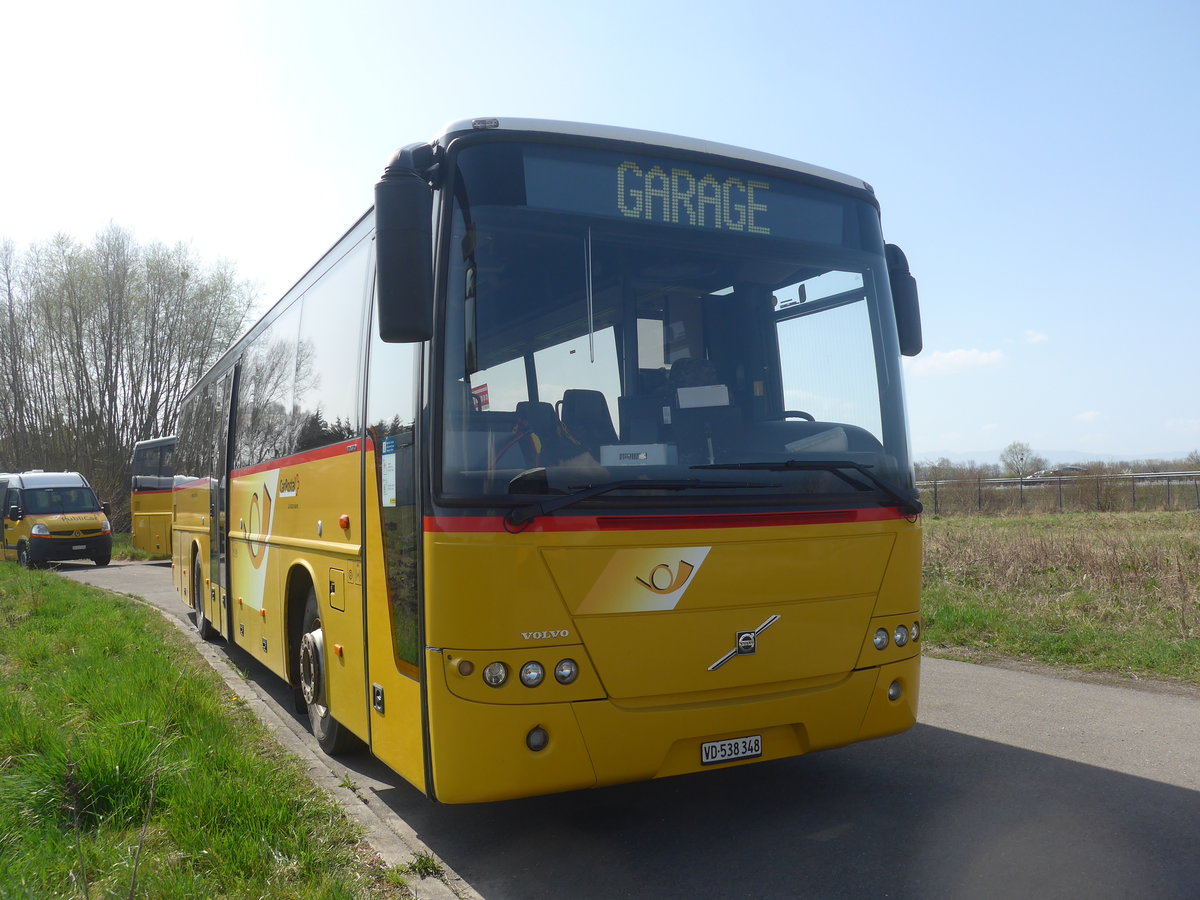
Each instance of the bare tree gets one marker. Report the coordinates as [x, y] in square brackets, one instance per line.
[1019, 460]
[101, 342]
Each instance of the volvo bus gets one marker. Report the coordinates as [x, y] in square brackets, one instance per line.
[580, 459]
[152, 470]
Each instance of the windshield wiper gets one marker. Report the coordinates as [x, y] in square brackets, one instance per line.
[908, 502]
[523, 515]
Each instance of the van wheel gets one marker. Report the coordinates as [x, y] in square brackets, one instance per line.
[203, 626]
[102, 560]
[331, 735]
[23, 556]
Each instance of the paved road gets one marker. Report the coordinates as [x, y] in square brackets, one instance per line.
[1014, 784]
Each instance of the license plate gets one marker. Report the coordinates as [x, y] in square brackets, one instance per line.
[79, 546]
[714, 752]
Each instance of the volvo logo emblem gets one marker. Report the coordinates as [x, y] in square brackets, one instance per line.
[745, 643]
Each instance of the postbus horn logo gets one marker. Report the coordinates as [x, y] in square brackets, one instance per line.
[664, 581]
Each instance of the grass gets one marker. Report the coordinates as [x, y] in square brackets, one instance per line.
[128, 769]
[1112, 592]
[123, 549]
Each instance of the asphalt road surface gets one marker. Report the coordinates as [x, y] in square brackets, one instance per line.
[1014, 784]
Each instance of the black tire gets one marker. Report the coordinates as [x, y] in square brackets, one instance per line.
[25, 559]
[331, 735]
[102, 560]
[203, 626]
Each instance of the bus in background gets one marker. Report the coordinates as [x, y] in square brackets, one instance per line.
[582, 458]
[153, 468]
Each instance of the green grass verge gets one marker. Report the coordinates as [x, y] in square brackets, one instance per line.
[127, 768]
[123, 549]
[1113, 592]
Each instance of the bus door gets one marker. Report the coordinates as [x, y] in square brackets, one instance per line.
[219, 507]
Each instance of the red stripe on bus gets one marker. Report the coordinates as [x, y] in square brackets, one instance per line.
[295, 460]
[490, 524]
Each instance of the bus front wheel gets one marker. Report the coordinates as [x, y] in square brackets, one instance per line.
[331, 735]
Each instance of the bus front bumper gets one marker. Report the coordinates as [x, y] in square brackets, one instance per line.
[482, 752]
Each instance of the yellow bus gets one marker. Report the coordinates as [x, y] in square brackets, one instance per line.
[581, 458]
[152, 469]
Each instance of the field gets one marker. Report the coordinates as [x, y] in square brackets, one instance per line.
[1113, 592]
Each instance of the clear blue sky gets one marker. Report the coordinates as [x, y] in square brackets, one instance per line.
[1036, 160]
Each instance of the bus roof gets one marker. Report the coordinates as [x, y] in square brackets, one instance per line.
[652, 138]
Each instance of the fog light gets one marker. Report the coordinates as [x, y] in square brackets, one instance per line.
[881, 639]
[916, 632]
[495, 674]
[901, 635]
[566, 671]
[465, 667]
[537, 739]
[895, 691]
[532, 674]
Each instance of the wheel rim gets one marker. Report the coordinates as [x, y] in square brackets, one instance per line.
[312, 678]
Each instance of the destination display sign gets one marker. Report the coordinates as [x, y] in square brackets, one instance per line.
[682, 193]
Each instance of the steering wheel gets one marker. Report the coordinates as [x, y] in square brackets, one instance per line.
[793, 414]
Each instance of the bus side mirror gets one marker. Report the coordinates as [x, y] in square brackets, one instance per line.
[404, 249]
[904, 300]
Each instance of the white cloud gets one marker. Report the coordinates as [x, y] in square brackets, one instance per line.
[949, 362]
[1090, 416]
[1035, 337]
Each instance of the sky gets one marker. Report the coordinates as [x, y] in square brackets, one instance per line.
[1037, 161]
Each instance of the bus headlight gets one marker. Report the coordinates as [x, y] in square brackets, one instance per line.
[566, 671]
[881, 639]
[532, 674]
[916, 632]
[901, 635]
[495, 674]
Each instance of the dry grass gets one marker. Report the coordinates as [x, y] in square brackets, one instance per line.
[1114, 591]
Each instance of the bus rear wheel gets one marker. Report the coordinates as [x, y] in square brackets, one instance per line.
[203, 626]
[331, 735]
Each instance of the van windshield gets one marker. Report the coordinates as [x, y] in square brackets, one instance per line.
[51, 501]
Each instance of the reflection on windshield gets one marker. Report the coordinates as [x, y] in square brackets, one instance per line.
[604, 350]
[55, 501]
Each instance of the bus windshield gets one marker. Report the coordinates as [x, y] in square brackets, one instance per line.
[617, 317]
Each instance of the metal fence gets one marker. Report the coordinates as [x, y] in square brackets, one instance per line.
[1068, 493]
